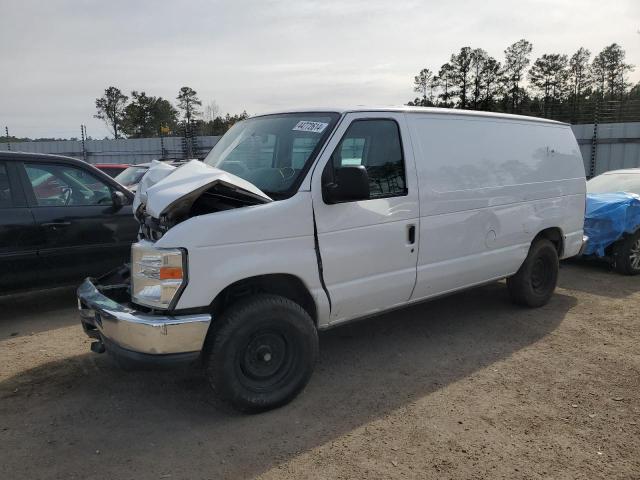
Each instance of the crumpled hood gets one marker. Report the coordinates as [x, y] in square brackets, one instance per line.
[608, 217]
[164, 184]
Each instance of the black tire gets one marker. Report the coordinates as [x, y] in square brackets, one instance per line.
[262, 353]
[626, 255]
[535, 281]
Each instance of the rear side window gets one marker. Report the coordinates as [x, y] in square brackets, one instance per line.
[6, 197]
[374, 144]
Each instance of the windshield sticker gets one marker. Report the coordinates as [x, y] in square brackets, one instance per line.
[307, 126]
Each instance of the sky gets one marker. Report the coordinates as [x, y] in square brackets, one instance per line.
[57, 56]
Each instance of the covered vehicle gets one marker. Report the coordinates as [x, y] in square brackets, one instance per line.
[612, 219]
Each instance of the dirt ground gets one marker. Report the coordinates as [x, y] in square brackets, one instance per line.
[465, 387]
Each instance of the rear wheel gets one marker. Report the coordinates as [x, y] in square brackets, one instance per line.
[263, 353]
[535, 281]
[627, 255]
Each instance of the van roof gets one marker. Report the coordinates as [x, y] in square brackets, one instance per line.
[408, 109]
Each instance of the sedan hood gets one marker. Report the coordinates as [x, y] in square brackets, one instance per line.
[165, 188]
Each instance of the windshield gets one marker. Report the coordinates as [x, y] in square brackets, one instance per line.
[615, 182]
[273, 151]
[131, 176]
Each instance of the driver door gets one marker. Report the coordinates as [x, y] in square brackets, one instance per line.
[368, 247]
[83, 233]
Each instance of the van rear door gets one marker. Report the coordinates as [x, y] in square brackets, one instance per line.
[368, 248]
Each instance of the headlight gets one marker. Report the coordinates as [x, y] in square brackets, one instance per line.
[157, 274]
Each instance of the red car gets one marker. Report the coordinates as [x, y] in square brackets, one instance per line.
[112, 169]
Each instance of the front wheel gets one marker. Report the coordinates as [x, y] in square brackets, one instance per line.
[263, 353]
[535, 281]
[627, 255]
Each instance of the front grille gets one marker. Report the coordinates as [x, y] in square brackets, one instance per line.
[150, 228]
[149, 232]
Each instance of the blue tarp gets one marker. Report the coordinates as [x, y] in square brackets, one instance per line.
[608, 217]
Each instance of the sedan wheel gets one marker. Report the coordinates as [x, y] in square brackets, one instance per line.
[627, 255]
[634, 255]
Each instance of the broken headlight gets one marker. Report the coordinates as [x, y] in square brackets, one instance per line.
[157, 275]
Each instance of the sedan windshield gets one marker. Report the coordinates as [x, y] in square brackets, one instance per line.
[615, 182]
[273, 151]
[131, 176]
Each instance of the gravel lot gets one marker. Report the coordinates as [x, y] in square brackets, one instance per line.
[468, 386]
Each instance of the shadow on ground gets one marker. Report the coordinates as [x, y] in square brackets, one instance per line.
[115, 424]
[21, 314]
[597, 278]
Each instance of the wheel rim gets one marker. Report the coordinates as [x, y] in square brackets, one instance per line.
[541, 276]
[634, 255]
[266, 360]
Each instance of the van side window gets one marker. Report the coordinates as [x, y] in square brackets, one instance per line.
[374, 144]
[5, 189]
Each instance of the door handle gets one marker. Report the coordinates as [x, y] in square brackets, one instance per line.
[411, 234]
[55, 225]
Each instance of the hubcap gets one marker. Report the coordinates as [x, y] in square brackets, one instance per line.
[540, 276]
[265, 355]
[634, 255]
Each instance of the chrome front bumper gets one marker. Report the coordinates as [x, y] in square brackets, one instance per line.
[135, 331]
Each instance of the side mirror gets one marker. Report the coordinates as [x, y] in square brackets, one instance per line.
[118, 198]
[351, 183]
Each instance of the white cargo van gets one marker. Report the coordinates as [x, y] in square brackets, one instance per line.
[302, 220]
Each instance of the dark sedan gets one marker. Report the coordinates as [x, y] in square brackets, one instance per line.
[61, 220]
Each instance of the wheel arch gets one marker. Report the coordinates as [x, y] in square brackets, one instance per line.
[284, 284]
[554, 235]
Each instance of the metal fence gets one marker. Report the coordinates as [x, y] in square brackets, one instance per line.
[608, 146]
[130, 150]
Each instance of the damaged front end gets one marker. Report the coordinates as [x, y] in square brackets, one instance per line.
[131, 312]
[168, 195]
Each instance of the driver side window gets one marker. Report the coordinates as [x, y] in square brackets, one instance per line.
[374, 144]
[60, 185]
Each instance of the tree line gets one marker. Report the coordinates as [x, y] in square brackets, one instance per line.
[142, 115]
[554, 84]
